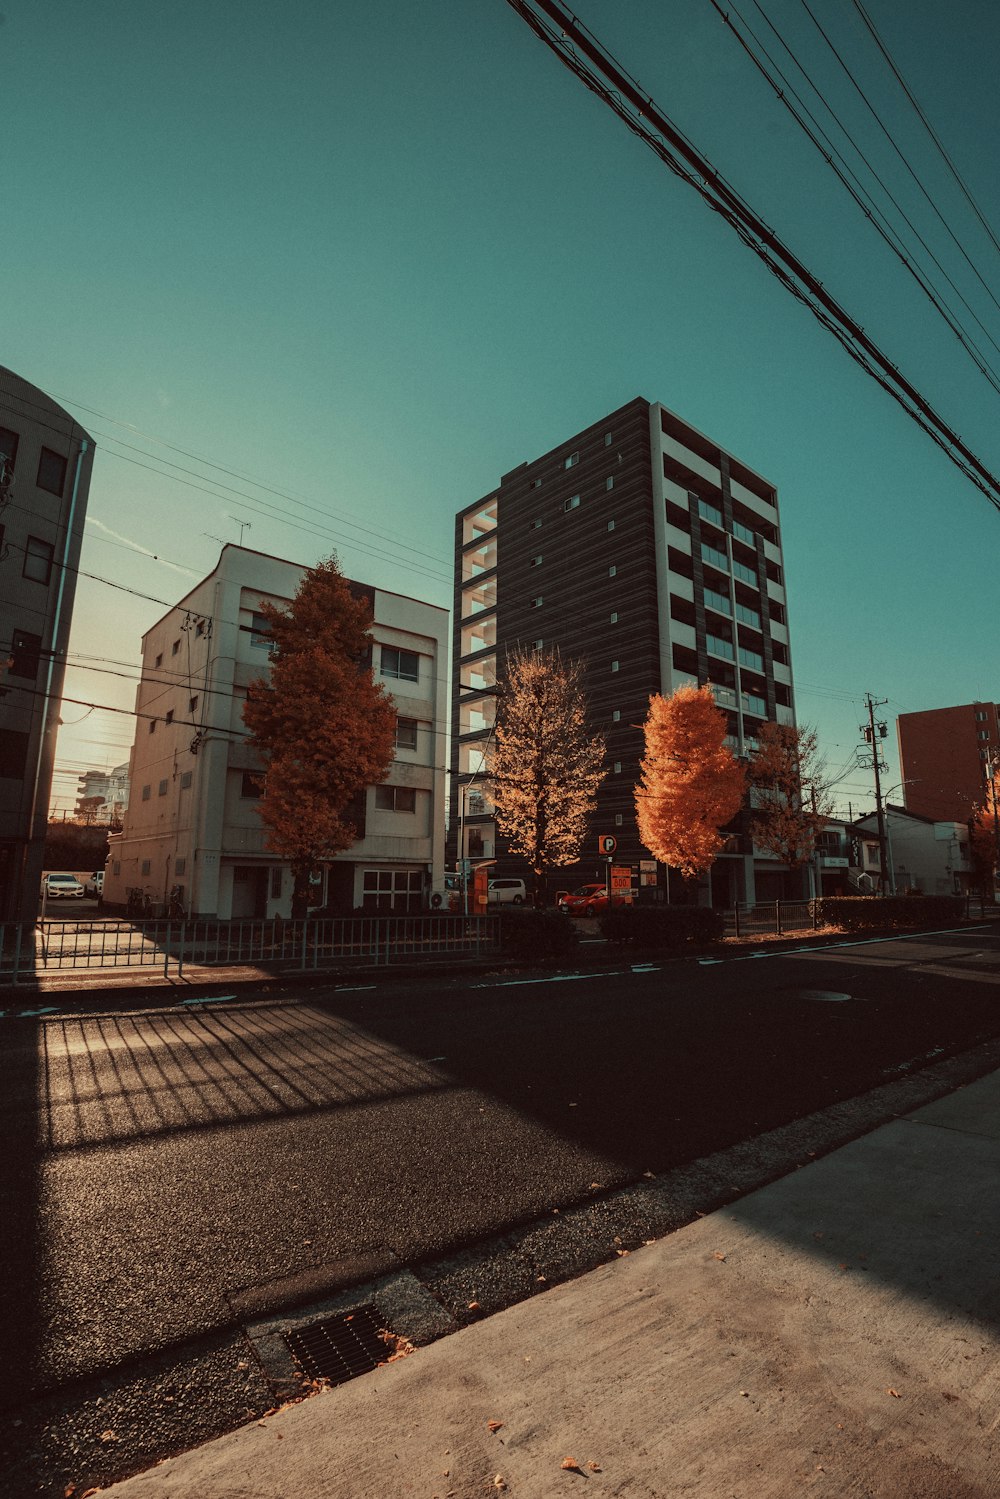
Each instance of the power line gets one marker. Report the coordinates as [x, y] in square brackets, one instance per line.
[579, 51]
[889, 137]
[925, 122]
[786, 93]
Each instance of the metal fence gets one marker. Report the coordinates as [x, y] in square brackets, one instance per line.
[771, 916]
[31, 950]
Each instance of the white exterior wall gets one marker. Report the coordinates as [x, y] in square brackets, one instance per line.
[198, 830]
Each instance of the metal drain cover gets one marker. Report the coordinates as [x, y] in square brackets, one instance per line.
[341, 1348]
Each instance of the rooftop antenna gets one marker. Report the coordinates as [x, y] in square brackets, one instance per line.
[244, 525]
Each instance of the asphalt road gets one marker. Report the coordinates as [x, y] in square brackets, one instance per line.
[162, 1167]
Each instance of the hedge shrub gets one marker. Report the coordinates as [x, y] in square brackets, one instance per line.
[537, 936]
[670, 928]
[857, 913]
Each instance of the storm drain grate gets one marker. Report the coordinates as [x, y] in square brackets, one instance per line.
[341, 1348]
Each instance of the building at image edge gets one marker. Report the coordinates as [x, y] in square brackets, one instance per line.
[641, 548]
[192, 818]
[46, 460]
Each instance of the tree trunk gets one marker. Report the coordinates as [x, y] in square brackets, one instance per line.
[300, 894]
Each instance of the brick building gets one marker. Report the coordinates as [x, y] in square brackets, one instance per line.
[945, 756]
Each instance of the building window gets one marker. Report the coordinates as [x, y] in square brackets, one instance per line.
[538, 602]
[611, 525]
[37, 560]
[612, 571]
[616, 716]
[187, 776]
[152, 725]
[536, 561]
[980, 715]
[746, 574]
[162, 788]
[8, 448]
[609, 482]
[169, 716]
[51, 471]
[25, 655]
[614, 666]
[158, 662]
[116, 867]
[751, 659]
[720, 647]
[710, 513]
[572, 503]
[536, 484]
[619, 819]
[403, 666]
[192, 704]
[982, 733]
[406, 733]
[260, 633]
[180, 865]
[715, 557]
[146, 867]
[13, 754]
[250, 785]
[571, 461]
[617, 767]
[392, 890]
[614, 616]
[607, 439]
[175, 648]
[536, 645]
[146, 793]
[395, 799]
[536, 523]
[744, 533]
[201, 626]
[717, 601]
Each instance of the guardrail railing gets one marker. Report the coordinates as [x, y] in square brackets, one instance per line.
[52, 946]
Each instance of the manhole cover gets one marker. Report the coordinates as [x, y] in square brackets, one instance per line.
[826, 996]
[340, 1348]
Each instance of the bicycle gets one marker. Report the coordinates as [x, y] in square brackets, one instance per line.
[175, 905]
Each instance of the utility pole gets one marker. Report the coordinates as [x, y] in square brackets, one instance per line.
[873, 732]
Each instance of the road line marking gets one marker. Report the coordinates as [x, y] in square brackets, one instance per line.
[208, 999]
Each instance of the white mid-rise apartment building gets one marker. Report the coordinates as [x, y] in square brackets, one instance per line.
[192, 819]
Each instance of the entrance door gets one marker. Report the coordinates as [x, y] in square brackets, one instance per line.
[249, 893]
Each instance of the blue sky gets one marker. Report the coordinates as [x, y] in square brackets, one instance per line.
[373, 257]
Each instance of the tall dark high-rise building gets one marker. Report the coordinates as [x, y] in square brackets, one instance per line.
[641, 548]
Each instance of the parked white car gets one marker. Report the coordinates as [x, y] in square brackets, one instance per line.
[507, 892]
[95, 882]
[56, 886]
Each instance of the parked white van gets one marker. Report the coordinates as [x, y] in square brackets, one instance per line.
[507, 893]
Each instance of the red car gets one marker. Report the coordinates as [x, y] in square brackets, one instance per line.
[589, 900]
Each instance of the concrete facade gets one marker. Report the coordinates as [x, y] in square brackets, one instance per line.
[192, 815]
[945, 755]
[45, 467]
[926, 856]
[641, 548]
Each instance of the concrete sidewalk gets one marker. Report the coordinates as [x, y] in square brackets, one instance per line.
[833, 1333]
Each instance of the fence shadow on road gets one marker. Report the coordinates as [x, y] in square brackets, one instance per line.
[124, 1077]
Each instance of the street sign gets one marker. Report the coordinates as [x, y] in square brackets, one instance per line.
[621, 877]
[606, 844]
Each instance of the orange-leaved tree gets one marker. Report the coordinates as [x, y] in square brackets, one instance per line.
[984, 837]
[789, 792]
[324, 729]
[546, 765]
[691, 783]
